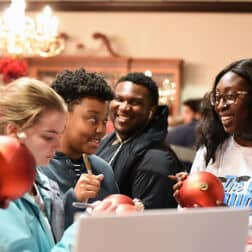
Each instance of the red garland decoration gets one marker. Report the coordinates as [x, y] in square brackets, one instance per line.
[12, 68]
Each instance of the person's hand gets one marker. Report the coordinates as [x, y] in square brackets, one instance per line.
[220, 203]
[101, 207]
[179, 177]
[4, 203]
[88, 186]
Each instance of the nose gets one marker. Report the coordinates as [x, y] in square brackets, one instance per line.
[56, 144]
[222, 104]
[101, 128]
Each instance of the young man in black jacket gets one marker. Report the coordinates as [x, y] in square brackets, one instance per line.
[136, 150]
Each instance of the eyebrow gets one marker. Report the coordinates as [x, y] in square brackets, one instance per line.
[92, 112]
[139, 97]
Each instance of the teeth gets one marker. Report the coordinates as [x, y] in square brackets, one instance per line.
[96, 140]
[225, 118]
[123, 118]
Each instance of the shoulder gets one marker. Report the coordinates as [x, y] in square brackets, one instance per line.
[105, 141]
[184, 130]
[160, 160]
[13, 219]
[47, 182]
[99, 164]
[159, 154]
[17, 226]
[55, 168]
[199, 162]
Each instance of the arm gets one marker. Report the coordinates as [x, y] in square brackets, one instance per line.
[154, 190]
[150, 182]
[66, 243]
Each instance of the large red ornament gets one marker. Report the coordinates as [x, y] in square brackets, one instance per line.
[202, 189]
[124, 209]
[17, 168]
[118, 199]
[123, 205]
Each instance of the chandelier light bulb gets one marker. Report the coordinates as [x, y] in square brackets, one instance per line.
[23, 36]
[148, 73]
[167, 91]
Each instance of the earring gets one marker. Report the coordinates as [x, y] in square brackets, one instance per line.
[150, 115]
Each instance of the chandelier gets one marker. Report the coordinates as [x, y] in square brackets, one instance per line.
[21, 35]
[166, 90]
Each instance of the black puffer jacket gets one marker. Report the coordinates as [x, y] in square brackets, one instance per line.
[142, 164]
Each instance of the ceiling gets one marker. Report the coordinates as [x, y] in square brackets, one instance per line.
[141, 5]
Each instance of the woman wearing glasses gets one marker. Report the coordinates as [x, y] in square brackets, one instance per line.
[225, 133]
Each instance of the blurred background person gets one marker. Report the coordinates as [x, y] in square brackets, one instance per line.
[185, 134]
[182, 138]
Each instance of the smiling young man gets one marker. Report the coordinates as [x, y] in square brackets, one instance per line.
[135, 150]
[87, 96]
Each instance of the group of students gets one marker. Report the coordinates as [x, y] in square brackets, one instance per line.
[70, 117]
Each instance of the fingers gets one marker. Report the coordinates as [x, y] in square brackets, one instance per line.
[100, 177]
[88, 186]
[105, 207]
[4, 203]
[172, 177]
[220, 203]
[176, 196]
[177, 186]
[179, 177]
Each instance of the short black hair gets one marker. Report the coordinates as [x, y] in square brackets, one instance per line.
[193, 104]
[76, 85]
[139, 78]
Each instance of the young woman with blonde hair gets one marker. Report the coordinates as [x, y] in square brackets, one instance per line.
[34, 222]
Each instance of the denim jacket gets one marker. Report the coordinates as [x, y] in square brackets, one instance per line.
[25, 228]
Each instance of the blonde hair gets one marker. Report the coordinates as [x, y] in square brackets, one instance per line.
[23, 100]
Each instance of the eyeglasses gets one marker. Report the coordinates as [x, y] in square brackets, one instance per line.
[227, 99]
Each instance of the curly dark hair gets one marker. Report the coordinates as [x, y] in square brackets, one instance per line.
[143, 80]
[73, 86]
[210, 131]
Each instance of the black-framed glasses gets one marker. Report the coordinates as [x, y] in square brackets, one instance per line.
[227, 99]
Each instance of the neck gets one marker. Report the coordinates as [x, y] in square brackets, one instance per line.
[243, 140]
[127, 137]
[69, 152]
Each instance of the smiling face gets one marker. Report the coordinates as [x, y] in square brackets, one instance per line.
[42, 138]
[233, 117]
[131, 109]
[86, 125]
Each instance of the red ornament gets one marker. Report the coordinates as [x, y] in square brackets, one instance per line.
[17, 168]
[121, 204]
[124, 209]
[12, 68]
[202, 189]
[118, 199]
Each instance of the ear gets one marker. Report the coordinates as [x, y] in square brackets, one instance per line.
[11, 129]
[152, 112]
